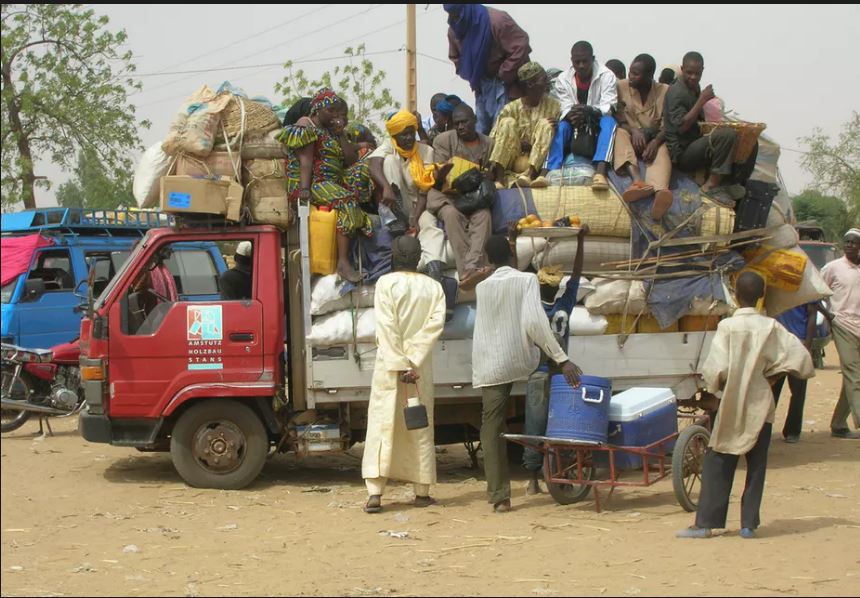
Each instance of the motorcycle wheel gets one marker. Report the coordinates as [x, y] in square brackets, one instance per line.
[19, 390]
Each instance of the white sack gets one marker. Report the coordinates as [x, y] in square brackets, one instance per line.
[337, 328]
[326, 297]
[146, 187]
[583, 323]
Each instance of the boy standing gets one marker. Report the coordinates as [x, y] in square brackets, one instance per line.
[748, 351]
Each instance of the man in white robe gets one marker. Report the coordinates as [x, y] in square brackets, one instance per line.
[410, 315]
[747, 353]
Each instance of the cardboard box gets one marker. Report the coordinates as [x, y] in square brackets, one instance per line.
[201, 195]
[216, 164]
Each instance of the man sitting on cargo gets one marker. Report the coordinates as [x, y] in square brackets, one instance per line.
[236, 282]
[404, 166]
[525, 128]
[467, 234]
[747, 353]
[690, 150]
[410, 314]
[558, 310]
[587, 93]
[511, 330]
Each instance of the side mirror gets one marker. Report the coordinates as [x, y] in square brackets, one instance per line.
[33, 289]
[77, 290]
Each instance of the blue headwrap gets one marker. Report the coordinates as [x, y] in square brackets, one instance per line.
[471, 26]
[445, 107]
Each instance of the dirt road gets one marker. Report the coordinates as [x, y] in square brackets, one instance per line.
[80, 519]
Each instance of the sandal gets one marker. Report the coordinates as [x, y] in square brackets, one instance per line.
[637, 191]
[424, 501]
[373, 504]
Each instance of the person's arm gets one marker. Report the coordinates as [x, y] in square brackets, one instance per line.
[350, 150]
[377, 175]
[715, 370]
[608, 92]
[811, 325]
[514, 43]
[690, 118]
[454, 50]
[306, 167]
[540, 333]
[422, 133]
[568, 298]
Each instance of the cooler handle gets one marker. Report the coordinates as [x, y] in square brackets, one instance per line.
[587, 400]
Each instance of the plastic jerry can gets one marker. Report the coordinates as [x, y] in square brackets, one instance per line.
[322, 234]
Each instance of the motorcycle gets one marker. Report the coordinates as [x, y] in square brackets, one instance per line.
[46, 382]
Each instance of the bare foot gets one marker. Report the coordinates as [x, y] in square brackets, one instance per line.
[503, 506]
[533, 487]
[347, 272]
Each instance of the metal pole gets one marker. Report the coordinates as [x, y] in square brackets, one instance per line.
[411, 70]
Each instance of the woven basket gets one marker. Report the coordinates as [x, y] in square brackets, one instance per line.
[602, 210]
[259, 119]
[747, 135]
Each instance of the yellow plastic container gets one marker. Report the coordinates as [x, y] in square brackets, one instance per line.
[322, 234]
[648, 324]
[614, 324]
[781, 268]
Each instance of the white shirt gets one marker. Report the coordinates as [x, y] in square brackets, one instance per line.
[602, 94]
[511, 328]
[843, 278]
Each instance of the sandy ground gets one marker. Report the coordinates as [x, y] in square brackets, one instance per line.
[83, 519]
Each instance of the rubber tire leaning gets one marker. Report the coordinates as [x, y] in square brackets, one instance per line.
[568, 494]
[224, 410]
[688, 436]
[21, 417]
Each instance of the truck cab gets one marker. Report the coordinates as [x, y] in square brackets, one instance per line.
[41, 303]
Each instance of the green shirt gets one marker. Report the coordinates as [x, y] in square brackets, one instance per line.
[680, 99]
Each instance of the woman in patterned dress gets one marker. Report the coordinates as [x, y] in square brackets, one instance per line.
[323, 168]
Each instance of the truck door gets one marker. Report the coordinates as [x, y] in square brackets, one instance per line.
[168, 334]
[46, 308]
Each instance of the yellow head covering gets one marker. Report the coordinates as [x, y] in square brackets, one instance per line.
[550, 275]
[423, 175]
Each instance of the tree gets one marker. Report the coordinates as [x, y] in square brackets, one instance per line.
[92, 187]
[65, 86]
[828, 211]
[361, 85]
[836, 166]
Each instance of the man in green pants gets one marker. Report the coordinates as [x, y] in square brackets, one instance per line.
[511, 330]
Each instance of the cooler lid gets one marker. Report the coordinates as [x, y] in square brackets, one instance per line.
[638, 402]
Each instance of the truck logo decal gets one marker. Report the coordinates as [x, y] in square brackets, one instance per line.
[204, 336]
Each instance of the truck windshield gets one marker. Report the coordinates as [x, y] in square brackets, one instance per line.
[8, 290]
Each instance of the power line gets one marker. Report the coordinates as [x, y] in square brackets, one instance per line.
[433, 58]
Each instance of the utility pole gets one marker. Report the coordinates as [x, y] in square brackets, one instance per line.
[411, 69]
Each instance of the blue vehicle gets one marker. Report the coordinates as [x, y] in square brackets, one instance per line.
[41, 306]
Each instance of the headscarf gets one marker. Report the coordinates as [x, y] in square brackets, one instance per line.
[423, 175]
[405, 253]
[550, 275]
[324, 98]
[445, 107]
[471, 26]
[852, 232]
[529, 70]
[297, 110]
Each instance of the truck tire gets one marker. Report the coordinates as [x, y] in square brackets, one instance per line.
[19, 390]
[220, 444]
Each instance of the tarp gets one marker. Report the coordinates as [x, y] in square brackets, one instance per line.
[16, 253]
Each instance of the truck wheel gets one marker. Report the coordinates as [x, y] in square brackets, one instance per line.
[567, 494]
[219, 444]
[687, 460]
[19, 390]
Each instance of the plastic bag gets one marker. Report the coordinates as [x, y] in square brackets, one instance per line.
[146, 187]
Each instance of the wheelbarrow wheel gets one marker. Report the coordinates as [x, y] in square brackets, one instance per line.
[567, 494]
[687, 460]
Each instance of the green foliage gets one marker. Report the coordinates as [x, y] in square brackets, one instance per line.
[836, 166]
[65, 86]
[828, 211]
[358, 82]
[93, 187]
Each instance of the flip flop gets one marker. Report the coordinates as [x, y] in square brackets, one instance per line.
[599, 183]
[373, 506]
[540, 182]
[637, 191]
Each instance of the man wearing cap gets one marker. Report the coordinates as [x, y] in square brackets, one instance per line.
[843, 277]
[410, 315]
[236, 282]
[525, 128]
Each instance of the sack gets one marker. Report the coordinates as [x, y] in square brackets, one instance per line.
[338, 328]
[610, 296]
[326, 296]
[146, 187]
[510, 206]
[583, 323]
[194, 128]
[484, 197]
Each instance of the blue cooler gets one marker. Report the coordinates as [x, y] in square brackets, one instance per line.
[639, 417]
[579, 413]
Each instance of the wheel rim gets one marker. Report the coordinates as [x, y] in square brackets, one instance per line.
[219, 447]
[17, 392]
[694, 454]
[568, 462]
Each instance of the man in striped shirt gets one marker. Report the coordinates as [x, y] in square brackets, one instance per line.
[511, 330]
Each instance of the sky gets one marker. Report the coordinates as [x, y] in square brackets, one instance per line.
[788, 66]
